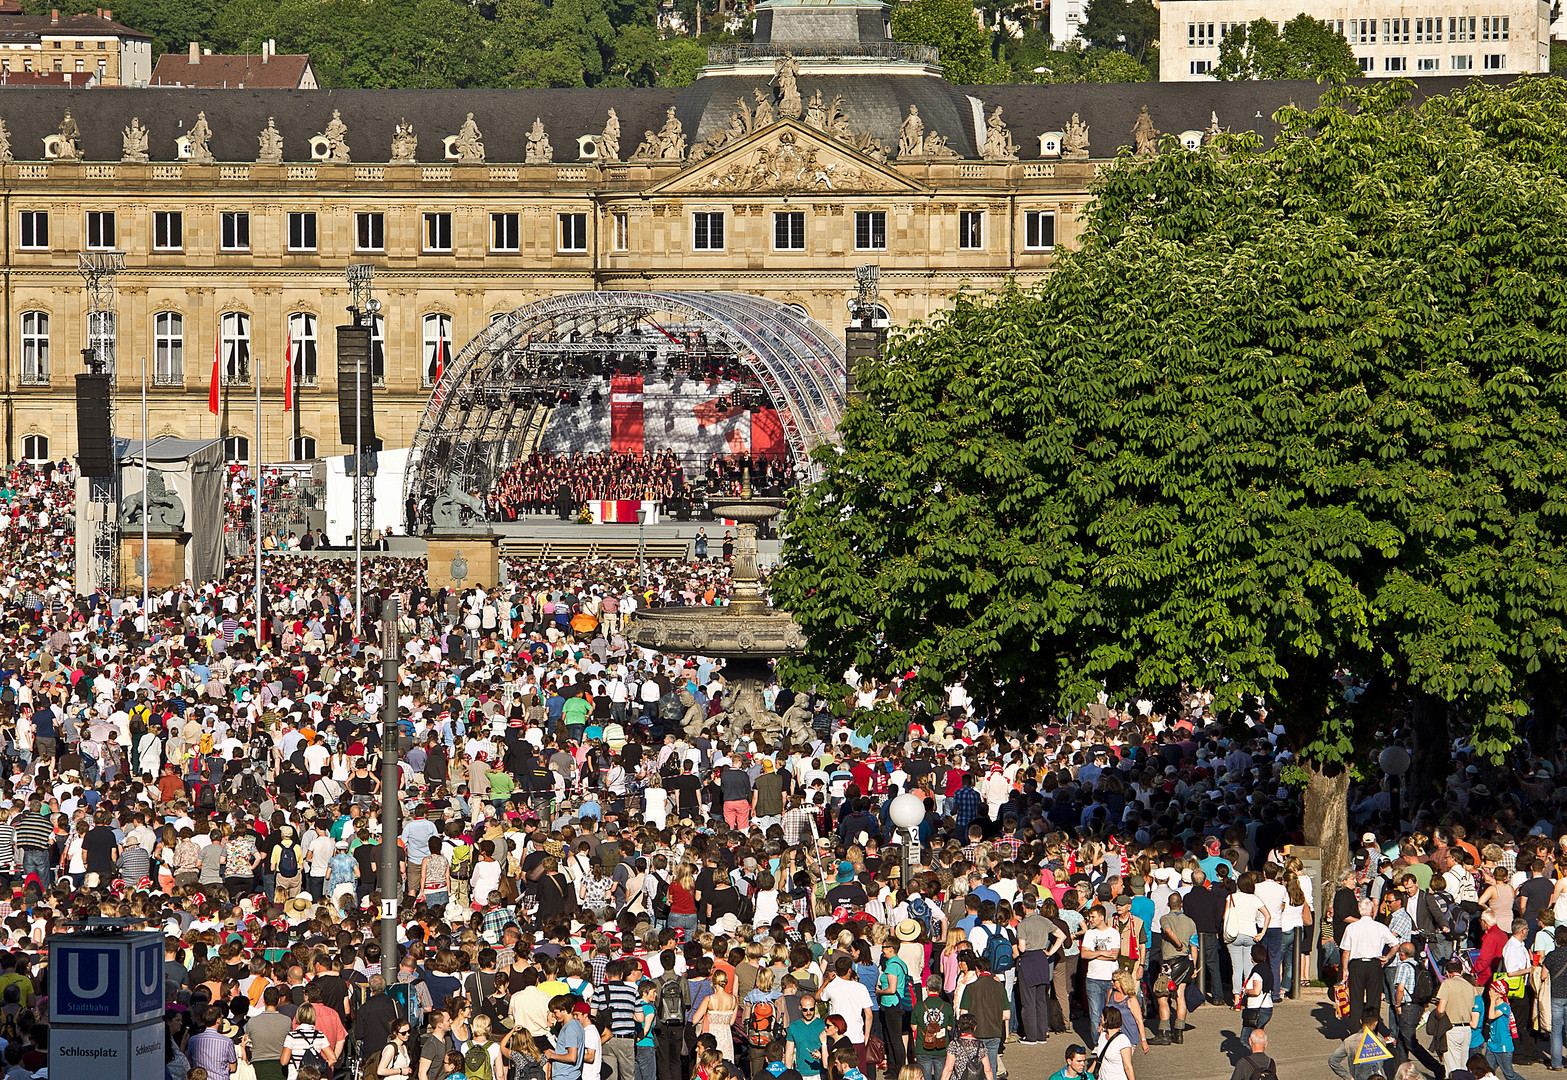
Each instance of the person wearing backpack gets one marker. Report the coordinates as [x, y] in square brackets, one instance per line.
[762, 1021]
[896, 998]
[933, 1021]
[483, 1057]
[307, 1045]
[1256, 1064]
[669, 1018]
[1414, 985]
[288, 865]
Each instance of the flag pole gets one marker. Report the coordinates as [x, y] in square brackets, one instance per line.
[146, 558]
[255, 513]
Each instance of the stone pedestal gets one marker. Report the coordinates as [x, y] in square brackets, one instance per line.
[463, 560]
[165, 559]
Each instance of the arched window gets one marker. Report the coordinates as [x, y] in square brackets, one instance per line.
[437, 351]
[236, 449]
[35, 348]
[168, 349]
[35, 448]
[302, 332]
[880, 316]
[800, 308]
[101, 336]
[234, 348]
[303, 448]
[377, 351]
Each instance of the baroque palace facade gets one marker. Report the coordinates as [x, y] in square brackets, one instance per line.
[779, 171]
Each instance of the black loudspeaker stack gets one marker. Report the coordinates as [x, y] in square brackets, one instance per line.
[95, 452]
[860, 346]
[354, 385]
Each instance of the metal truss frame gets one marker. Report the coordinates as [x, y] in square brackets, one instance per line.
[470, 427]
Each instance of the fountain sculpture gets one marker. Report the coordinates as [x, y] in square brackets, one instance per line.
[747, 634]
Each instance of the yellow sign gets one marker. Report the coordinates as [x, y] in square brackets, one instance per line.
[1366, 1048]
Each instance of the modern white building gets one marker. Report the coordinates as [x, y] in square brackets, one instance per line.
[1065, 17]
[1392, 38]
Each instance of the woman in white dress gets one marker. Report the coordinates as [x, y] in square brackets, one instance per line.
[655, 803]
[486, 873]
[716, 1015]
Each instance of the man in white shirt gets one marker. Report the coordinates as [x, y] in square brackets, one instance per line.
[847, 997]
[1366, 947]
[1101, 948]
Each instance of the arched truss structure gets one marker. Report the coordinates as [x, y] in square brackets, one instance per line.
[475, 423]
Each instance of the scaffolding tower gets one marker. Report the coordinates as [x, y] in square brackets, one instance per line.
[98, 270]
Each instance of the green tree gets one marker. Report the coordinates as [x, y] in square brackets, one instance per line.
[1115, 67]
[1128, 25]
[1291, 418]
[681, 62]
[1306, 48]
[950, 26]
[1075, 64]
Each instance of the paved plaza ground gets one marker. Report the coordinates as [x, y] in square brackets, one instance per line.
[1301, 1035]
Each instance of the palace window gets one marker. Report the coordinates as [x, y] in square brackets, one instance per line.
[573, 232]
[168, 349]
[100, 229]
[35, 348]
[789, 230]
[234, 348]
[234, 231]
[301, 231]
[35, 230]
[168, 230]
[302, 333]
[971, 229]
[437, 338]
[370, 232]
[504, 232]
[707, 231]
[1039, 230]
[377, 351]
[438, 232]
[870, 230]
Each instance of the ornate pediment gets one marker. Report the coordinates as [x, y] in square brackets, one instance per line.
[786, 157]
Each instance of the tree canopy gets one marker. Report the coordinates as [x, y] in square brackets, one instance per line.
[1130, 25]
[428, 44]
[1289, 421]
[950, 26]
[1306, 48]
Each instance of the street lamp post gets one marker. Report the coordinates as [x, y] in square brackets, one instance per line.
[907, 812]
[390, 785]
[641, 548]
[1395, 762]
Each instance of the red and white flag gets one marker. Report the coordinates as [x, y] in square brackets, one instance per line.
[443, 356]
[288, 372]
[625, 414]
[214, 390]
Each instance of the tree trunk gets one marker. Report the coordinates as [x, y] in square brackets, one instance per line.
[1326, 813]
[1545, 687]
[1433, 755]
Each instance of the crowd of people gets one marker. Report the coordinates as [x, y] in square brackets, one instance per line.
[560, 484]
[593, 887]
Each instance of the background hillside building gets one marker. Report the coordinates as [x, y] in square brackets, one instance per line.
[89, 45]
[1392, 39]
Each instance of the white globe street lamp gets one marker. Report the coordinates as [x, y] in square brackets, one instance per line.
[907, 812]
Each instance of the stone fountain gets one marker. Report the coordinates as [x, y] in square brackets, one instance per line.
[747, 634]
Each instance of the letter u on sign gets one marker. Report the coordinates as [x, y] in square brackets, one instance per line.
[92, 982]
[73, 977]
